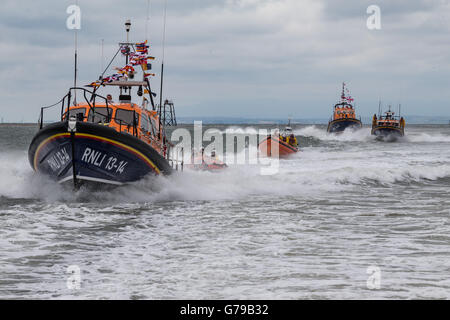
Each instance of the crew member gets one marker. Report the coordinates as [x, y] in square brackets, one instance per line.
[109, 98]
[293, 140]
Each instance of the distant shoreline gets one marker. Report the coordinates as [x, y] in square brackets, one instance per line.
[7, 124]
[182, 123]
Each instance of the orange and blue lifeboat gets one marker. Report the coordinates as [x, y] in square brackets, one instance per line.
[343, 114]
[388, 126]
[109, 144]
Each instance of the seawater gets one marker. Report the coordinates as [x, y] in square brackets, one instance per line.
[344, 206]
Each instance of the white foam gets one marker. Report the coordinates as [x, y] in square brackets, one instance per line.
[316, 170]
[350, 134]
[426, 137]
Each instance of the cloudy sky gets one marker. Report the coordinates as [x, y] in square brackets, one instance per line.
[249, 58]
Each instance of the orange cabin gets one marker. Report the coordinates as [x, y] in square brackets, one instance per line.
[388, 122]
[344, 113]
[119, 116]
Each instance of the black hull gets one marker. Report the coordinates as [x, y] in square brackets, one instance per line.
[388, 132]
[340, 125]
[93, 153]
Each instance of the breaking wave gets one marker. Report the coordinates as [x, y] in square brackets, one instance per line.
[426, 137]
[312, 172]
[349, 134]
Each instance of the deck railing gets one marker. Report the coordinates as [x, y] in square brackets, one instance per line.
[172, 154]
[91, 101]
[175, 157]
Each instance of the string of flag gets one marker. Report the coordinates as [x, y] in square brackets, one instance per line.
[140, 57]
[348, 97]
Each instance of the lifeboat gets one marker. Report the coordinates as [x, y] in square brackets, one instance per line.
[279, 144]
[204, 162]
[388, 126]
[102, 141]
[343, 114]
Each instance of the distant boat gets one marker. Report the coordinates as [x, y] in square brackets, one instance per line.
[388, 125]
[204, 162]
[285, 141]
[343, 115]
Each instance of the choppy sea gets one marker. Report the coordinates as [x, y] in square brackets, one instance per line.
[348, 217]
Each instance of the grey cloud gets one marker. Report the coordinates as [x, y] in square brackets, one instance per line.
[346, 9]
[239, 57]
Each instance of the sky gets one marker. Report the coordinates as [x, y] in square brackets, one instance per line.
[237, 58]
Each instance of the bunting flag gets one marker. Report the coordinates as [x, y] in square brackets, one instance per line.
[141, 44]
[348, 97]
[147, 92]
[142, 47]
[95, 84]
[128, 69]
[140, 57]
[146, 66]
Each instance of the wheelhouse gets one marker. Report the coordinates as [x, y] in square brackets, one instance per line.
[343, 111]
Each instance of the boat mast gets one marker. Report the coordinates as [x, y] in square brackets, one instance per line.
[75, 64]
[102, 58]
[127, 28]
[163, 54]
[162, 121]
[147, 20]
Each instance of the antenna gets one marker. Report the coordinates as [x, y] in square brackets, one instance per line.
[379, 108]
[102, 56]
[148, 19]
[127, 29]
[163, 53]
[76, 62]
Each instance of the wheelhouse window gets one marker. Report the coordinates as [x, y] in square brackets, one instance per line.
[144, 122]
[100, 114]
[124, 117]
[148, 124]
[78, 113]
[154, 127]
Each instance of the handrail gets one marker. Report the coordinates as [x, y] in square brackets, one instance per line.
[68, 96]
[109, 117]
[41, 118]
